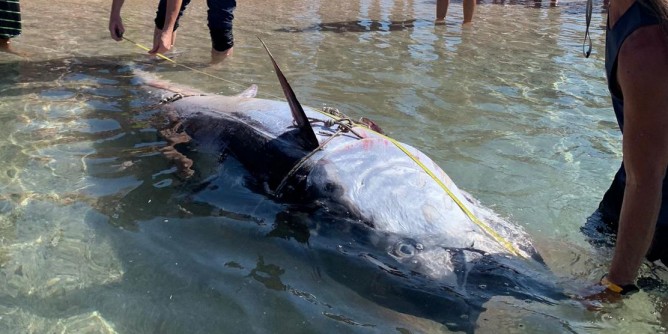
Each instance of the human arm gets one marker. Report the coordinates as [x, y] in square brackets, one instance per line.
[643, 77]
[116, 28]
[163, 40]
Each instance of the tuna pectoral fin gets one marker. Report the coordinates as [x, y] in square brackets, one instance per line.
[310, 141]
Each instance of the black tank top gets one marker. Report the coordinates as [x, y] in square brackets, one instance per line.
[638, 15]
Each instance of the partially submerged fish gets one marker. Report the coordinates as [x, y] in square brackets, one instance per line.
[441, 250]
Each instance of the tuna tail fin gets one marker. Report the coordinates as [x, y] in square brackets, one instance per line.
[303, 124]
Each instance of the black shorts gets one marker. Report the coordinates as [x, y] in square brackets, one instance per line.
[10, 18]
[611, 206]
[220, 16]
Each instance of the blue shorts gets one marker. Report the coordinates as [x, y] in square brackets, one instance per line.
[220, 16]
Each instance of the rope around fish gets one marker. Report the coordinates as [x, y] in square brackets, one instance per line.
[339, 120]
[162, 56]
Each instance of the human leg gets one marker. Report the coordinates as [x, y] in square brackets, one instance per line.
[220, 17]
[4, 44]
[10, 25]
[10, 22]
[161, 13]
[441, 9]
[160, 17]
[469, 9]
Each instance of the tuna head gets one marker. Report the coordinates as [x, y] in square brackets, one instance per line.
[421, 277]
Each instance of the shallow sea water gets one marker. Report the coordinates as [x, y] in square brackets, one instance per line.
[99, 235]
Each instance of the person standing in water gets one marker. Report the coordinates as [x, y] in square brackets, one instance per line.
[636, 204]
[220, 17]
[442, 10]
[10, 23]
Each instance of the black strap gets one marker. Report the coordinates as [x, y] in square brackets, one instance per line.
[590, 8]
[623, 290]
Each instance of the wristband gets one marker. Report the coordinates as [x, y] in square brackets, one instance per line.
[623, 290]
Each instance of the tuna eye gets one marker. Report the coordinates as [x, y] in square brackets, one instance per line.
[402, 250]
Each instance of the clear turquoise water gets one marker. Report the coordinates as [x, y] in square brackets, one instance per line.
[98, 235]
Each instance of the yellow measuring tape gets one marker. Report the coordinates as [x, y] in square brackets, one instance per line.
[147, 49]
[178, 64]
[501, 240]
[505, 243]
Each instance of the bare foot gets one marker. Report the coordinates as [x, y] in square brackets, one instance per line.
[5, 46]
[439, 22]
[218, 57]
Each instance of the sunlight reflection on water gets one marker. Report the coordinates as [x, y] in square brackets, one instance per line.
[98, 234]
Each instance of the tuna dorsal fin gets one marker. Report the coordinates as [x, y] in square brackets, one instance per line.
[250, 92]
[305, 129]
